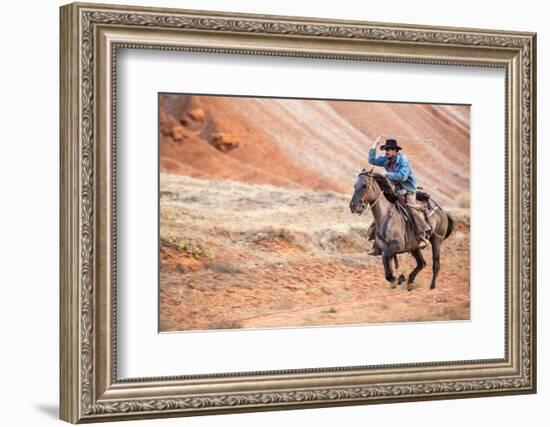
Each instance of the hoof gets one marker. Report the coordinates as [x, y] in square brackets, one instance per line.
[392, 285]
[400, 279]
[410, 286]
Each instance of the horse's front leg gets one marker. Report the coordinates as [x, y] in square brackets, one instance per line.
[388, 271]
[401, 277]
[387, 257]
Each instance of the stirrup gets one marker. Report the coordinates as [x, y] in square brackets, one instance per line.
[423, 242]
[374, 251]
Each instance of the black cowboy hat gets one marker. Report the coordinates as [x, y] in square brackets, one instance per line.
[391, 144]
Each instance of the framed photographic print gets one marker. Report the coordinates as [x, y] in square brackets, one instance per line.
[271, 212]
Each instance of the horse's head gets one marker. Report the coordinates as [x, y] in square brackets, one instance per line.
[362, 192]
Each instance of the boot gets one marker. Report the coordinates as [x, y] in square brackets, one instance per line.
[423, 229]
[374, 251]
[423, 240]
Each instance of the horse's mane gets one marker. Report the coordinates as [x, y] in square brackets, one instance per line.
[385, 186]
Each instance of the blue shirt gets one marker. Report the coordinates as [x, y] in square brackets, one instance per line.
[400, 173]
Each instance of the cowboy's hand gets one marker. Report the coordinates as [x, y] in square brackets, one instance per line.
[376, 142]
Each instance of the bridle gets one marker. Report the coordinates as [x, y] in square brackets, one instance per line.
[365, 204]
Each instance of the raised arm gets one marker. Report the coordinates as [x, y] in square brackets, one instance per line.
[373, 160]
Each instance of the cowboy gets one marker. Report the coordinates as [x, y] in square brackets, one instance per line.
[401, 175]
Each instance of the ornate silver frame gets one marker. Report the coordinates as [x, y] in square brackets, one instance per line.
[90, 36]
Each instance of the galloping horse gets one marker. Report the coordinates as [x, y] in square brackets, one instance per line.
[394, 233]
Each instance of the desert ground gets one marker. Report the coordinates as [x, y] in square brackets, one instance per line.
[255, 226]
[236, 255]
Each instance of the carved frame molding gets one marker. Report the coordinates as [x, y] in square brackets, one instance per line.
[90, 37]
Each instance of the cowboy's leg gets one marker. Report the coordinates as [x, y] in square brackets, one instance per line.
[371, 232]
[418, 217]
[413, 209]
[371, 235]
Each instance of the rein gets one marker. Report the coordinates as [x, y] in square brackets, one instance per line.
[373, 204]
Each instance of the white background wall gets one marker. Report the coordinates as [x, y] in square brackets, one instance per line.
[29, 179]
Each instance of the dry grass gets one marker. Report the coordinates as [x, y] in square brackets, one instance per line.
[463, 200]
[252, 215]
[271, 233]
[193, 247]
[223, 267]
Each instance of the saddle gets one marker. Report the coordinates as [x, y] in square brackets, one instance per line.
[423, 198]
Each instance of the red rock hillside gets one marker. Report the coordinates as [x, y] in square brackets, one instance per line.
[312, 144]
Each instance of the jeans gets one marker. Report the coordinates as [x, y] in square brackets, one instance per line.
[418, 217]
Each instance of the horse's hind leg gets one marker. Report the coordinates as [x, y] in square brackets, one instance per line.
[420, 264]
[436, 249]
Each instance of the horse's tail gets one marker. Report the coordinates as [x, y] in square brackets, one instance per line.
[450, 225]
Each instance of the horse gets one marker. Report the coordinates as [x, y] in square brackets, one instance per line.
[395, 234]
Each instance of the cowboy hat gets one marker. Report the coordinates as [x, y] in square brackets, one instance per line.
[390, 144]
